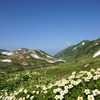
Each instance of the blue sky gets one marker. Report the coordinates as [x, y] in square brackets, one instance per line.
[49, 25]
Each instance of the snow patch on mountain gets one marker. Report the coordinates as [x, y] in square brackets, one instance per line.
[53, 61]
[83, 43]
[96, 54]
[35, 56]
[48, 56]
[96, 43]
[6, 60]
[19, 49]
[75, 48]
[50, 61]
[61, 60]
[7, 53]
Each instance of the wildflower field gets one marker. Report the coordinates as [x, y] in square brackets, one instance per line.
[53, 83]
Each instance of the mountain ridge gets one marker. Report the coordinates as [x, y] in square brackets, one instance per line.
[85, 48]
[26, 53]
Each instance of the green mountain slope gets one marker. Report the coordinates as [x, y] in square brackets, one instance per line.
[84, 49]
[71, 78]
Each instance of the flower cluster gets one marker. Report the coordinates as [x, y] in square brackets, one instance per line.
[75, 80]
[60, 89]
[91, 94]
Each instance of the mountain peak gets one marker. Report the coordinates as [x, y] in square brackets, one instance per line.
[23, 49]
[85, 48]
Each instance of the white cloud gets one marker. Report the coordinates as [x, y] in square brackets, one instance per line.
[68, 43]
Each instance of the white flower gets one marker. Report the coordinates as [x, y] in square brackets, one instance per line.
[45, 91]
[72, 81]
[98, 69]
[56, 97]
[21, 99]
[79, 80]
[59, 89]
[76, 83]
[25, 91]
[50, 86]
[37, 86]
[9, 97]
[66, 91]
[96, 92]
[0, 97]
[92, 70]
[20, 90]
[33, 92]
[96, 77]
[91, 97]
[55, 90]
[66, 87]
[86, 79]
[61, 97]
[62, 92]
[90, 76]
[73, 73]
[31, 97]
[71, 77]
[66, 81]
[80, 98]
[97, 72]
[37, 92]
[87, 91]
[27, 96]
[70, 86]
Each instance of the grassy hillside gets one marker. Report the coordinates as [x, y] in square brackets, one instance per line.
[36, 79]
[57, 81]
[82, 50]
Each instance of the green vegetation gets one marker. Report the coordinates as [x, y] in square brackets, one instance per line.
[36, 79]
[48, 83]
[23, 64]
[84, 49]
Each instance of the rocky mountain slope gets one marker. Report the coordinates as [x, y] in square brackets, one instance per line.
[26, 53]
[24, 58]
[81, 50]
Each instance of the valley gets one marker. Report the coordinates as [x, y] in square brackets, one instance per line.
[72, 74]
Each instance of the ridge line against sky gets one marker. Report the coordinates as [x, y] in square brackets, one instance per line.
[49, 25]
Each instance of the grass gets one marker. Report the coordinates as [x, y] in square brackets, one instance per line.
[67, 68]
[43, 88]
[39, 84]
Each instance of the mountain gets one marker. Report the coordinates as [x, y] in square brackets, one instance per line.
[2, 50]
[81, 50]
[26, 53]
[24, 58]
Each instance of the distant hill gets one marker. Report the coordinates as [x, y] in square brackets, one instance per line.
[24, 58]
[2, 50]
[83, 49]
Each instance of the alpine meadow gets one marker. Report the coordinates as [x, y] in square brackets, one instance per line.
[34, 75]
[49, 49]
